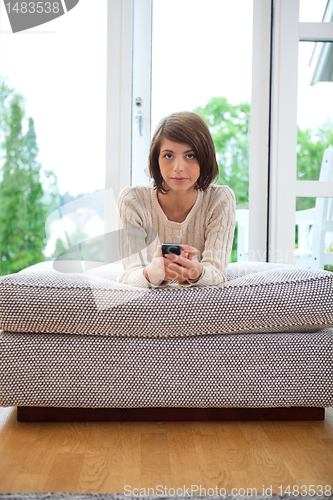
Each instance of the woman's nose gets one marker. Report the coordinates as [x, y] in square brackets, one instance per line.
[178, 164]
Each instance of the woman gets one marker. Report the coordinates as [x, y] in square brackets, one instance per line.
[182, 206]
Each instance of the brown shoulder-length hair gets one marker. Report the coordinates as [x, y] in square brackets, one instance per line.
[191, 129]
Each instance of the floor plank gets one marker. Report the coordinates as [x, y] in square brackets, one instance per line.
[183, 459]
[65, 472]
[95, 470]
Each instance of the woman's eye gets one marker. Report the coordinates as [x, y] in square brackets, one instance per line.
[190, 156]
[168, 156]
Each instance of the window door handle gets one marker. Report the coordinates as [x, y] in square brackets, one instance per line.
[138, 119]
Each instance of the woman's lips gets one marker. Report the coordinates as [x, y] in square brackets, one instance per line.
[179, 179]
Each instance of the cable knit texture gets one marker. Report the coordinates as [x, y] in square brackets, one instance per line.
[209, 227]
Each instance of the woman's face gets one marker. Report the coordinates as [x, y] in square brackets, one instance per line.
[179, 167]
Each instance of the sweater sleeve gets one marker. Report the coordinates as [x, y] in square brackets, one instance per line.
[219, 235]
[133, 239]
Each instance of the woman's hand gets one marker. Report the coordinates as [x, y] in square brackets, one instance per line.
[155, 271]
[183, 267]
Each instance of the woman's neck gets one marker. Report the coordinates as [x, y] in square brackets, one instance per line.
[177, 207]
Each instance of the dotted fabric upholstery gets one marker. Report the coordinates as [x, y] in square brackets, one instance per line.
[244, 370]
[256, 298]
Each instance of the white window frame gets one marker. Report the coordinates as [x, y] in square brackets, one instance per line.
[259, 138]
[125, 148]
[284, 188]
[141, 88]
[118, 96]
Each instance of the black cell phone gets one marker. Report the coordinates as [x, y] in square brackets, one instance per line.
[171, 248]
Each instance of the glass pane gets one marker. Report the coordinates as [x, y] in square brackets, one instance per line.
[52, 132]
[312, 12]
[202, 62]
[314, 233]
[315, 107]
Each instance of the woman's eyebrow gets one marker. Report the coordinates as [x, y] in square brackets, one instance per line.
[170, 151]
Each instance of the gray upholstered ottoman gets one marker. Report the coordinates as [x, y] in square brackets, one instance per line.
[262, 340]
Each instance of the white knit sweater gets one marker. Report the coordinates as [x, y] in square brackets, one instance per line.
[209, 227]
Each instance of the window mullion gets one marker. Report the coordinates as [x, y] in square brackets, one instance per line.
[284, 132]
[259, 143]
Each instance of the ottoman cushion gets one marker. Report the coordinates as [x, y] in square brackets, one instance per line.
[255, 298]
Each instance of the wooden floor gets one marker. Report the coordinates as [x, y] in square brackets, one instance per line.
[107, 457]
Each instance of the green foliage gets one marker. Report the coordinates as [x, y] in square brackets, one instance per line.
[60, 247]
[93, 249]
[311, 144]
[229, 126]
[68, 198]
[22, 211]
[61, 244]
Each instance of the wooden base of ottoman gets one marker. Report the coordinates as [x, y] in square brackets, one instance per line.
[48, 414]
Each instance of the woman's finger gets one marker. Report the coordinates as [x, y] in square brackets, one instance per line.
[173, 268]
[158, 252]
[172, 273]
[189, 249]
[180, 260]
